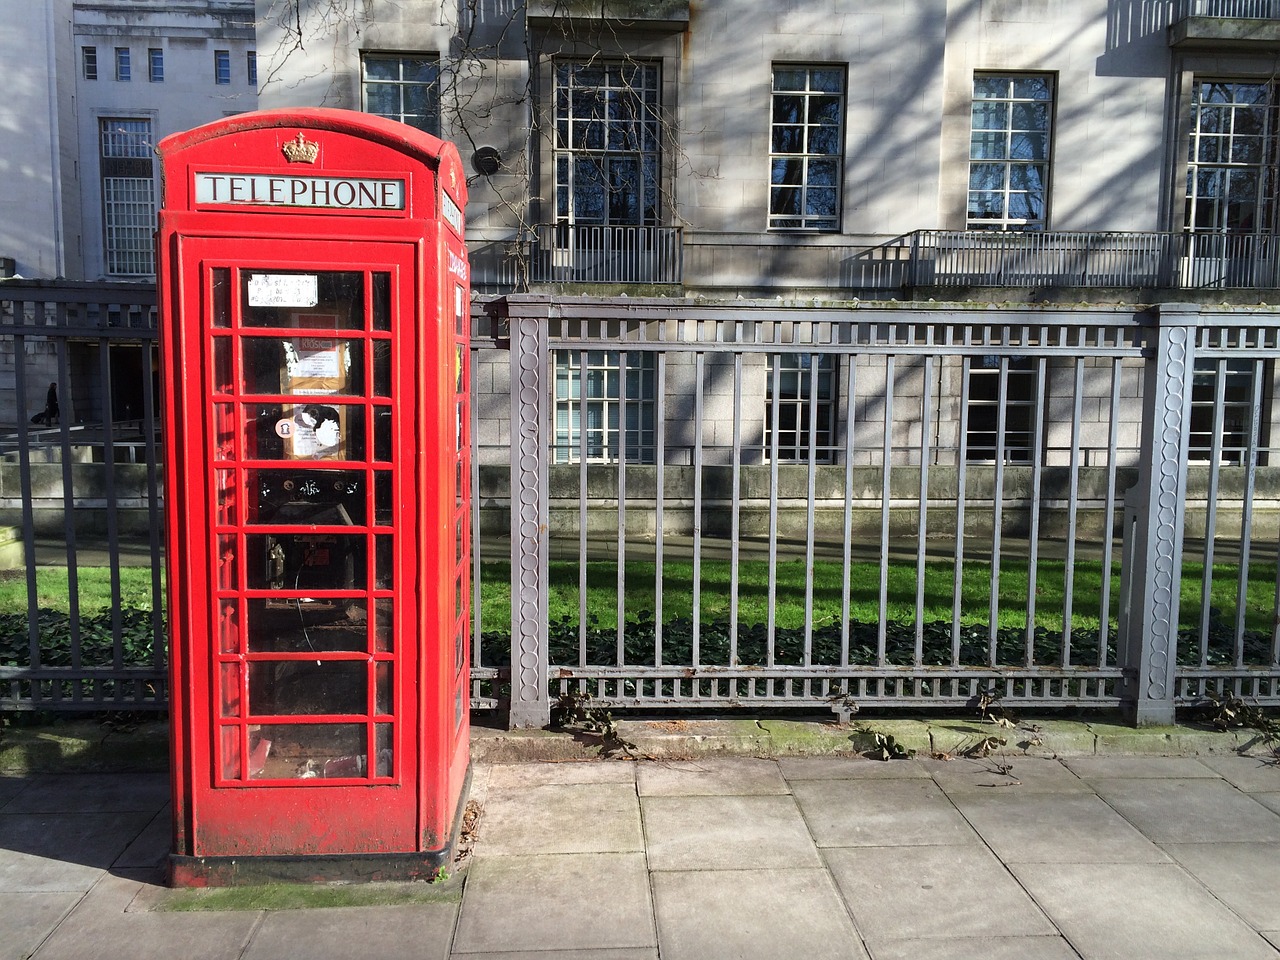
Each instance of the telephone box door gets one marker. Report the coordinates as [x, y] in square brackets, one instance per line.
[307, 544]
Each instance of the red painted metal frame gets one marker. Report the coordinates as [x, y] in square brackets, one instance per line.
[370, 822]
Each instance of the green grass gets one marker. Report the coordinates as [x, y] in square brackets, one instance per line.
[53, 590]
[716, 634]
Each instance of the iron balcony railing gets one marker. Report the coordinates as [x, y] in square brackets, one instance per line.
[1228, 9]
[1187, 261]
[573, 253]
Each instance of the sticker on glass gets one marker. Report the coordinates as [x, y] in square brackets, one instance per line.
[283, 290]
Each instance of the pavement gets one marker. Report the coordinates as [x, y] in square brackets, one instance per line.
[684, 846]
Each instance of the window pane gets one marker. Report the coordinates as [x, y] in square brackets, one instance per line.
[806, 140]
[1006, 192]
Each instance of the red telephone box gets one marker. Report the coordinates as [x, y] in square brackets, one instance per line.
[314, 291]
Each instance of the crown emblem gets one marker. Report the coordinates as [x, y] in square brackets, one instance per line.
[301, 150]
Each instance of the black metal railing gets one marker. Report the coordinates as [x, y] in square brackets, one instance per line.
[574, 253]
[1228, 9]
[1186, 261]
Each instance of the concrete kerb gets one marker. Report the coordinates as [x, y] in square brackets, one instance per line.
[86, 746]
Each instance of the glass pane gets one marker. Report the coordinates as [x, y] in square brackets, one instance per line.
[790, 78]
[382, 99]
[384, 562]
[381, 436]
[988, 146]
[381, 296]
[306, 561]
[230, 737]
[300, 299]
[989, 88]
[303, 625]
[225, 507]
[383, 705]
[384, 743]
[319, 497]
[307, 687]
[314, 366]
[1032, 88]
[228, 628]
[990, 116]
[229, 682]
[383, 636]
[382, 68]
[220, 281]
[228, 570]
[383, 499]
[306, 750]
[304, 431]
[1030, 116]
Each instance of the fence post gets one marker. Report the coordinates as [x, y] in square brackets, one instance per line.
[1151, 572]
[530, 704]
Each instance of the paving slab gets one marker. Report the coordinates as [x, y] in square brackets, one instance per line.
[739, 776]
[555, 903]
[518, 776]
[62, 852]
[1139, 911]
[93, 793]
[10, 787]
[850, 768]
[726, 833]
[924, 892]
[1273, 937]
[750, 914]
[968, 948]
[1244, 876]
[1269, 800]
[1055, 828]
[419, 932]
[562, 818]
[1250, 774]
[1190, 811]
[623, 953]
[27, 918]
[1136, 768]
[843, 813]
[1022, 775]
[152, 846]
[100, 929]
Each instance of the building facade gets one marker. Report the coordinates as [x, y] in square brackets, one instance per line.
[100, 84]
[1010, 152]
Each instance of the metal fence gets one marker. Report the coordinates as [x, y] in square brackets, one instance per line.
[80, 491]
[576, 253]
[1239, 9]
[1187, 261]
[747, 504]
[991, 503]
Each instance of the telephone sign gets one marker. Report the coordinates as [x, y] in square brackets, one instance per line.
[314, 293]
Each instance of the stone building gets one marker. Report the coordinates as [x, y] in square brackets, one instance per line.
[1020, 158]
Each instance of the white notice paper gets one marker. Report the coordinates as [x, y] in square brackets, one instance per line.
[283, 290]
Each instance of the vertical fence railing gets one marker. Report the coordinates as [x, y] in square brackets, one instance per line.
[786, 508]
[80, 488]
[1172, 261]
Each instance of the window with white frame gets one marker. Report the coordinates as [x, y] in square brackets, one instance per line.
[128, 196]
[800, 407]
[1232, 157]
[403, 88]
[806, 147]
[608, 143]
[1221, 406]
[602, 409]
[124, 66]
[155, 65]
[1001, 389]
[1012, 119]
[251, 67]
[222, 67]
[89, 62]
